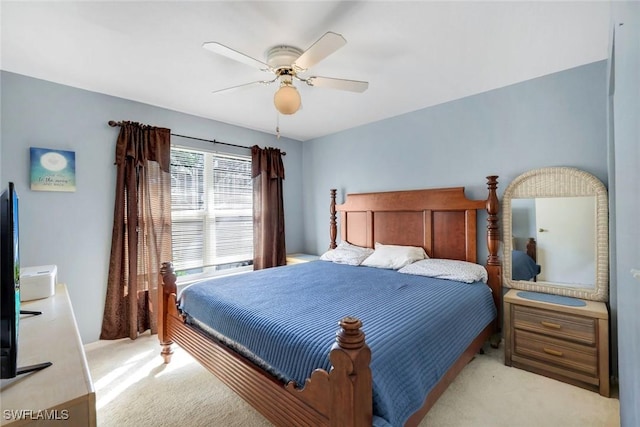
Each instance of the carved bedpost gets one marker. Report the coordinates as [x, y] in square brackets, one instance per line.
[333, 229]
[166, 288]
[494, 265]
[532, 250]
[350, 378]
[493, 232]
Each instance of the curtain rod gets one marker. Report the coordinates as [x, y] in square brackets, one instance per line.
[113, 124]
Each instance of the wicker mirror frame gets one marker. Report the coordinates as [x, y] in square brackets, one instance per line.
[560, 182]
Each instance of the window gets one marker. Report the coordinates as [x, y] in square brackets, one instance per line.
[212, 213]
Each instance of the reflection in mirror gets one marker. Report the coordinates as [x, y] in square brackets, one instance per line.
[564, 229]
[556, 233]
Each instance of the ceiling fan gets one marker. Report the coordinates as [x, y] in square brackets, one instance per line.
[288, 63]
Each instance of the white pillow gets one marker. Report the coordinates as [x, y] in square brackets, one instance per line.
[346, 253]
[394, 256]
[461, 271]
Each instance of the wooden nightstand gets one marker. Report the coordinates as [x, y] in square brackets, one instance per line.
[297, 258]
[568, 343]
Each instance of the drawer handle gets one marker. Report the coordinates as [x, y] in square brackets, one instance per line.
[550, 325]
[553, 352]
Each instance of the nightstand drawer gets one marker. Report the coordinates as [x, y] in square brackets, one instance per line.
[560, 325]
[577, 357]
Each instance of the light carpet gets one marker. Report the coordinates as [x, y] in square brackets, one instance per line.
[135, 388]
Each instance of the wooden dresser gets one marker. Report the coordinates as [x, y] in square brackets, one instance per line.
[61, 394]
[568, 343]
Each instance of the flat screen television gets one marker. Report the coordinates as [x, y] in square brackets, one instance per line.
[10, 286]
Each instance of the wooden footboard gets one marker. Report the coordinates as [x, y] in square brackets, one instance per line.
[341, 397]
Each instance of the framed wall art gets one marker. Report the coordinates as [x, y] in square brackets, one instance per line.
[53, 170]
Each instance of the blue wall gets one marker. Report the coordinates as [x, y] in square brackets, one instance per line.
[73, 230]
[556, 120]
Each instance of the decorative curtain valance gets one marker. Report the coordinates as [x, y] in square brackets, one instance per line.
[267, 160]
[142, 143]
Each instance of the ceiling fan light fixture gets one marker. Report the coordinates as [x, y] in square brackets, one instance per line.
[287, 99]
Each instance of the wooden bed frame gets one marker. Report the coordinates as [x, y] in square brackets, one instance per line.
[442, 221]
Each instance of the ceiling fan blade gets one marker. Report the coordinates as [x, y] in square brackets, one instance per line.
[245, 86]
[223, 50]
[323, 47]
[340, 84]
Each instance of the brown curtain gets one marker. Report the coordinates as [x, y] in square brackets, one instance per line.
[267, 171]
[141, 237]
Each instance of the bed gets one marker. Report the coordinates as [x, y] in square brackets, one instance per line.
[345, 390]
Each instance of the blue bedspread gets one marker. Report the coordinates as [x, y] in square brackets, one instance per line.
[415, 326]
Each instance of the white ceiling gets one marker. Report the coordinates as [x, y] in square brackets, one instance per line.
[414, 54]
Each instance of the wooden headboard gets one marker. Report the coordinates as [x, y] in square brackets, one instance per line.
[442, 221]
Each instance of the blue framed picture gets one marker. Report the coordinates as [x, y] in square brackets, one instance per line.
[53, 170]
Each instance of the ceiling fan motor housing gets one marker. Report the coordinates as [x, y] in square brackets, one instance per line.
[282, 57]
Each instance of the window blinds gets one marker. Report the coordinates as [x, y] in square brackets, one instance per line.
[212, 211]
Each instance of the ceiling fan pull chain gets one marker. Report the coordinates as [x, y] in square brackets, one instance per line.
[277, 125]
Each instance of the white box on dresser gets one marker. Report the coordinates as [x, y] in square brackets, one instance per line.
[38, 282]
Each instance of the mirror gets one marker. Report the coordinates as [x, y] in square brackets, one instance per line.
[555, 225]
